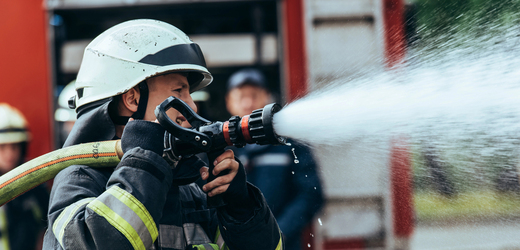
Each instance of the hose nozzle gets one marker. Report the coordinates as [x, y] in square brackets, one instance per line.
[254, 128]
[206, 136]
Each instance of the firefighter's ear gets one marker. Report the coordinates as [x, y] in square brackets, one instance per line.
[130, 99]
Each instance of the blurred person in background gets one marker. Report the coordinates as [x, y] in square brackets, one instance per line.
[22, 220]
[293, 191]
[65, 116]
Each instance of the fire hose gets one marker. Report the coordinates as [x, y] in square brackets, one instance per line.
[204, 137]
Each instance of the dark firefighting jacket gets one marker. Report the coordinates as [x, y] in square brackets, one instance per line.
[138, 205]
[293, 191]
[23, 220]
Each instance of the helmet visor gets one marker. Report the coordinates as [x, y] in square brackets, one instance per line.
[176, 54]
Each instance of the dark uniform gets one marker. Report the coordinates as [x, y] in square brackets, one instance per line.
[293, 191]
[141, 200]
[23, 220]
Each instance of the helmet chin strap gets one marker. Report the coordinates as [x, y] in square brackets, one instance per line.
[143, 101]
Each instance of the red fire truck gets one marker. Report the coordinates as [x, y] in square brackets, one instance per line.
[299, 44]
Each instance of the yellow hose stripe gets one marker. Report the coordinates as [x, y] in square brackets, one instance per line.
[137, 207]
[58, 228]
[118, 222]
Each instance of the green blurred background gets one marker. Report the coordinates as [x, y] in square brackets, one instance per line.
[475, 177]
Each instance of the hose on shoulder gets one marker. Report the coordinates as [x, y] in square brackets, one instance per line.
[41, 169]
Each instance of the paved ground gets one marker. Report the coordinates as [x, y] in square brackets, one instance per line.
[503, 234]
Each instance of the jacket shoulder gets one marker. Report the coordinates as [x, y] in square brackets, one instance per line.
[81, 171]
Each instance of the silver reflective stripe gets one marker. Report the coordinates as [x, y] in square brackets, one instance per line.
[128, 215]
[195, 235]
[175, 237]
[171, 236]
[4, 240]
[277, 159]
[209, 246]
[59, 225]
[220, 240]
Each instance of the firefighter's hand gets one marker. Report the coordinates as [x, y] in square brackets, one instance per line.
[232, 186]
[144, 134]
[221, 184]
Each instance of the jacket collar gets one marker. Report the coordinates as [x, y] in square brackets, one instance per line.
[93, 124]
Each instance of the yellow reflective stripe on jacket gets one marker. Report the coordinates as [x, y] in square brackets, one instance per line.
[279, 247]
[280, 242]
[4, 239]
[58, 227]
[137, 207]
[118, 222]
[209, 246]
[128, 215]
[219, 240]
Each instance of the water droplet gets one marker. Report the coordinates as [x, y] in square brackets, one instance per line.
[288, 144]
[312, 235]
[314, 188]
[305, 176]
[319, 221]
[292, 172]
[296, 161]
[309, 245]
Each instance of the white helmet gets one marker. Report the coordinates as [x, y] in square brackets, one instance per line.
[131, 52]
[13, 126]
[64, 113]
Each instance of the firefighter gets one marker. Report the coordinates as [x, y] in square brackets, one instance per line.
[146, 202]
[293, 191]
[22, 221]
[64, 116]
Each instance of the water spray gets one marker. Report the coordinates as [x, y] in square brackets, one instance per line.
[204, 137]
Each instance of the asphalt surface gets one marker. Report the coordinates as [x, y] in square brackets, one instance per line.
[503, 234]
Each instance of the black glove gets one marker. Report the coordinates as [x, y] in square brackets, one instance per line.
[239, 203]
[237, 191]
[144, 134]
